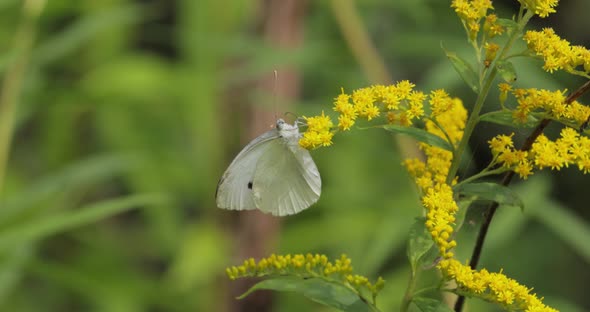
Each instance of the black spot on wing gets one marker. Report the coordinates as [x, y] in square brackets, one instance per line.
[250, 185]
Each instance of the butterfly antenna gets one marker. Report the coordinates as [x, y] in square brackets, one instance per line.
[274, 91]
[298, 120]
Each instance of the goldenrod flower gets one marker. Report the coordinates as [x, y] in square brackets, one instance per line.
[557, 53]
[491, 27]
[495, 287]
[471, 12]
[500, 143]
[551, 102]
[306, 266]
[318, 132]
[541, 7]
[491, 49]
[570, 149]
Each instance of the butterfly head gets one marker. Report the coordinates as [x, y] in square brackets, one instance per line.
[286, 130]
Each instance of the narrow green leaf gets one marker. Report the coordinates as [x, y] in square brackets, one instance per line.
[464, 69]
[507, 71]
[505, 118]
[421, 135]
[491, 192]
[327, 293]
[80, 174]
[43, 226]
[430, 305]
[12, 270]
[420, 242]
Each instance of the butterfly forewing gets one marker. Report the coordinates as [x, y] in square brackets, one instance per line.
[234, 190]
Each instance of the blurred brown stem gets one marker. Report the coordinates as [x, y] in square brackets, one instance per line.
[489, 214]
[12, 83]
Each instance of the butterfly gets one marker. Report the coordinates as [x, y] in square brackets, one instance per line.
[272, 174]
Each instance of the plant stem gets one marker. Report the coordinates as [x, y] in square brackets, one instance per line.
[480, 175]
[470, 126]
[409, 291]
[481, 97]
[12, 84]
[489, 214]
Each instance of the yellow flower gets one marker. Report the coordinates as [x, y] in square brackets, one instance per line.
[551, 102]
[306, 266]
[491, 49]
[500, 143]
[416, 104]
[345, 122]
[491, 27]
[570, 149]
[557, 53]
[495, 287]
[541, 7]
[318, 132]
[440, 102]
[471, 12]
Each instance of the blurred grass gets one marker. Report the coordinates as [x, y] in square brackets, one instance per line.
[124, 99]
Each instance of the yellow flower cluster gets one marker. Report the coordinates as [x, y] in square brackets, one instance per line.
[495, 287]
[551, 102]
[440, 217]
[541, 7]
[471, 12]
[447, 120]
[400, 104]
[370, 102]
[570, 149]
[306, 266]
[441, 209]
[504, 153]
[450, 117]
[557, 53]
[318, 132]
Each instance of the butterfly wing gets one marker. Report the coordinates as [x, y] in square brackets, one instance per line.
[234, 190]
[286, 179]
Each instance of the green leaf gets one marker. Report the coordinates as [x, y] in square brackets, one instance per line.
[44, 226]
[327, 293]
[464, 69]
[507, 71]
[420, 242]
[430, 305]
[505, 118]
[491, 192]
[421, 135]
[507, 23]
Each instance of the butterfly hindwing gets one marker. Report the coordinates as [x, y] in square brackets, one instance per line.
[286, 180]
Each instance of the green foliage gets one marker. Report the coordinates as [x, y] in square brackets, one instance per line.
[493, 192]
[327, 293]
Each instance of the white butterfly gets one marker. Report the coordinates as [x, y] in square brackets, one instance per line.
[272, 173]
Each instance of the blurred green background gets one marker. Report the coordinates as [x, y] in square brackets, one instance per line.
[130, 111]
